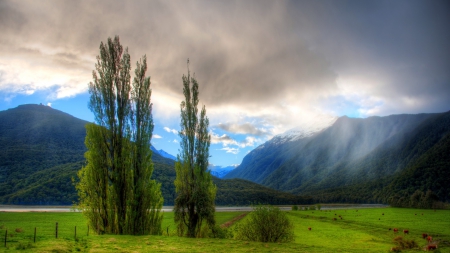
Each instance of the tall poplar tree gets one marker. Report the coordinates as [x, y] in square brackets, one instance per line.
[116, 191]
[193, 184]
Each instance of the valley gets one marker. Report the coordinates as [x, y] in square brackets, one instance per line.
[401, 160]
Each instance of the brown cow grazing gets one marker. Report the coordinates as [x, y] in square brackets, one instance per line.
[334, 219]
[395, 230]
[431, 247]
[429, 238]
[424, 236]
[309, 228]
[405, 231]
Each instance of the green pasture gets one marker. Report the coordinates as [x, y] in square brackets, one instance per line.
[363, 230]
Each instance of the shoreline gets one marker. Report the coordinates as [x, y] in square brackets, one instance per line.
[41, 208]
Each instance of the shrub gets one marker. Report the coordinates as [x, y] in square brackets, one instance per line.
[220, 232]
[266, 224]
[23, 246]
[405, 244]
[294, 208]
[318, 206]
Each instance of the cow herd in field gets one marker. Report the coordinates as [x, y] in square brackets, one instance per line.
[431, 245]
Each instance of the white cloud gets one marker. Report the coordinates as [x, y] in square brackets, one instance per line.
[234, 151]
[170, 130]
[274, 86]
[175, 141]
[156, 136]
[227, 141]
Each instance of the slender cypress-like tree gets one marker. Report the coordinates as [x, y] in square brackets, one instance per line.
[116, 191]
[193, 184]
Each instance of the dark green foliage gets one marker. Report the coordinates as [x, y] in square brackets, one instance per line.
[243, 192]
[266, 224]
[193, 184]
[52, 186]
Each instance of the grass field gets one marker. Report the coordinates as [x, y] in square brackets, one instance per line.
[363, 230]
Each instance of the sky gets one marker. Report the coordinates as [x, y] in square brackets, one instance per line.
[263, 67]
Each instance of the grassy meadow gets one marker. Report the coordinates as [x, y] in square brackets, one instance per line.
[362, 230]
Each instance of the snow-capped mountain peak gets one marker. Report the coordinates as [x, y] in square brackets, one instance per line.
[306, 129]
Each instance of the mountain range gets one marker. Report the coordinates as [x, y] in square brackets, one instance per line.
[376, 159]
[163, 153]
[41, 150]
[220, 171]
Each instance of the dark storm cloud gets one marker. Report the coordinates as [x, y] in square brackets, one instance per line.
[398, 50]
[241, 52]
[252, 54]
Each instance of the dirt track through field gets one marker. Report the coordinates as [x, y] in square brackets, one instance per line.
[234, 220]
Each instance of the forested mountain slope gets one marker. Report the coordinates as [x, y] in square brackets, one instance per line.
[377, 155]
[41, 150]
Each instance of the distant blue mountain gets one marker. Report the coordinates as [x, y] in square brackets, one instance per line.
[219, 171]
[163, 153]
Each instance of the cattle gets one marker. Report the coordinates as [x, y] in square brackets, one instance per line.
[334, 219]
[382, 214]
[405, 231]
[424, 236]
[309, 228]
[395, 230]
[431, 247]
[429, 238]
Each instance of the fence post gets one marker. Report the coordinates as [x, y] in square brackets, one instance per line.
[56, 230]
[34, 240]
[6, 235]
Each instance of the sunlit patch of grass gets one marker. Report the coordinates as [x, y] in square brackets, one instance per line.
[364, 231]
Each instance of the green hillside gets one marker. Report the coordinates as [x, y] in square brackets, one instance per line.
[41, 150]
[373, 160]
